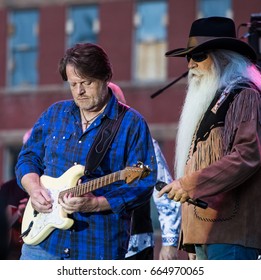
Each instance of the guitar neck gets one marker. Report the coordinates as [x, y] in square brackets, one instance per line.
[92, 185]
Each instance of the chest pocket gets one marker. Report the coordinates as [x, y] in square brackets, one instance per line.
[57, 138]
[56, 144]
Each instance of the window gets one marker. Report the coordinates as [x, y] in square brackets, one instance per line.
[208, 8]
[150, 41]
[23, 48]
[82, 24]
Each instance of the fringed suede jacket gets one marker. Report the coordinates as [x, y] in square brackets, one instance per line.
[223, 169]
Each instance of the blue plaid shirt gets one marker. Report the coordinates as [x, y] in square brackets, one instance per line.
[57, 143]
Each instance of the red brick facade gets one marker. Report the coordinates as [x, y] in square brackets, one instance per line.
[20, 109]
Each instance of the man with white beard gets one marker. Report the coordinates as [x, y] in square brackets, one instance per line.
[201, 91]
[218, 150]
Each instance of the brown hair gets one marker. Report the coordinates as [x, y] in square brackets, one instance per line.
[89, 60]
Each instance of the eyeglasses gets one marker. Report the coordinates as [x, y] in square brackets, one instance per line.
[197, 57]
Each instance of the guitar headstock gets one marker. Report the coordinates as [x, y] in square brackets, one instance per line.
[138, 171]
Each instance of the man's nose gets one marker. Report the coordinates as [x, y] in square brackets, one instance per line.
[80, 88]
[191, 64]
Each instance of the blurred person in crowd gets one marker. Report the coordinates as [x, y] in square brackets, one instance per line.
[141, 245]
[15, 200]
[4, 229]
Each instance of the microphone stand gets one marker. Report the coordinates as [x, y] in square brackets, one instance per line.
[168, 85]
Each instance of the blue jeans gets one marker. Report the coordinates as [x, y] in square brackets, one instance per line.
[30, 252]
[225, 252]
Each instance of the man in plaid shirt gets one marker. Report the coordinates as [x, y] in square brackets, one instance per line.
[61, 138]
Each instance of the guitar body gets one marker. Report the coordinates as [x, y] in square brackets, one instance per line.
[42, 224]
[37, 226]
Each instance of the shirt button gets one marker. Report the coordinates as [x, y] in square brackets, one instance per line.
[66, 253]
[66, 250]
[80, 142]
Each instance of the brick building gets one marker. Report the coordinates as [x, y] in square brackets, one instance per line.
[135, 34]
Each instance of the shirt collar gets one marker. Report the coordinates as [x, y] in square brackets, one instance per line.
[111, 110]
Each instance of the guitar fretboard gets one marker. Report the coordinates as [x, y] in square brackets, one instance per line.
[92, 185]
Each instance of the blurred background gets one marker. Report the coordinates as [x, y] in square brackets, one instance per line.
[34, 35]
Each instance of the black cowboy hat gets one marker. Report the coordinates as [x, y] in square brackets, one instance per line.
[214, 33]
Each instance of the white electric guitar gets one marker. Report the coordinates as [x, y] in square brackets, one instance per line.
[37, 226]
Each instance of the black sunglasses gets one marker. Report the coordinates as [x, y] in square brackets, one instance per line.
[197, 57]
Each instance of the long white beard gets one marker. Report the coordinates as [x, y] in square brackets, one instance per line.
[201, 91]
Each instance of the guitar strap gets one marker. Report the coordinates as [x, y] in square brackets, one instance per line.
[103, 140]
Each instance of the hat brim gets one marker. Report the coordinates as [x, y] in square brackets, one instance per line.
[219, 43]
